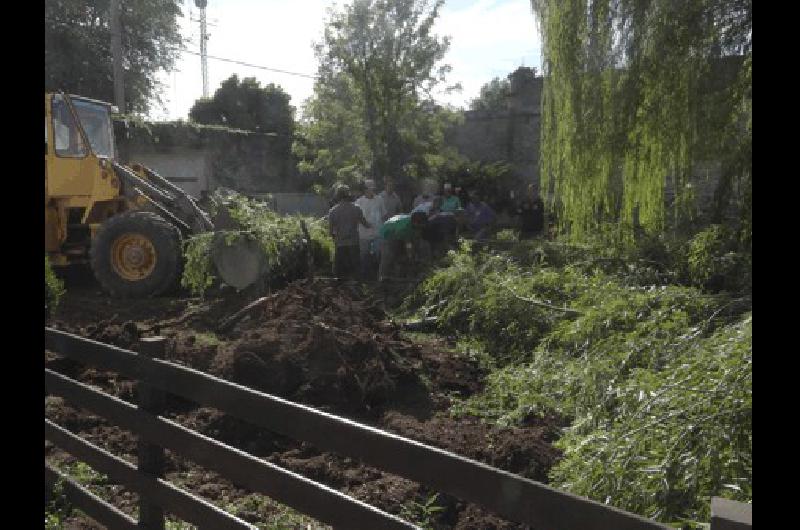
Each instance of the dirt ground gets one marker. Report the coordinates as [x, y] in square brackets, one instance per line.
[321, 343]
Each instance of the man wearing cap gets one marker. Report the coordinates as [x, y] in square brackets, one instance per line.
[368, 239]
[344, 220]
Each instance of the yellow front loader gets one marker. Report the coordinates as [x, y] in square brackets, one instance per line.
[127, 222]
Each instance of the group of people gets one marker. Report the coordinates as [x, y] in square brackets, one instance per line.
[373, 231]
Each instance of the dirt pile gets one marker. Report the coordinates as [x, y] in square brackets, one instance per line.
[526, 452]
[323, 344]
[326, 344]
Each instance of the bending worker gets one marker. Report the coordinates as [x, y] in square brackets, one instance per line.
[398, 232]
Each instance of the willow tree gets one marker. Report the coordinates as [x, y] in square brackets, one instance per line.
[637, 93]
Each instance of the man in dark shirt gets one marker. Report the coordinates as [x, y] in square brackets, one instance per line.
[343, 220]
[480, 217]
[531, 212]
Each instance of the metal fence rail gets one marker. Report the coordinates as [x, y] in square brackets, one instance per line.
[511, 496]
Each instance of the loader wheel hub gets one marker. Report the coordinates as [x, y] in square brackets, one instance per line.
[133, 256]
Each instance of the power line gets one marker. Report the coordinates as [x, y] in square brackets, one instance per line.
[252, 65]
[309, 76]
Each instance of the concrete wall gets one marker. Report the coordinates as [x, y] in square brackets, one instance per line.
[510, 134]
[204, 158]
[513, 135]
[296, 203]
[188, 168]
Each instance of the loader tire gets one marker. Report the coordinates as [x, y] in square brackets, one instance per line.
[137, 255]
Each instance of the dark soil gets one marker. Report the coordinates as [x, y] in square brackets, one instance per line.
[321, 343]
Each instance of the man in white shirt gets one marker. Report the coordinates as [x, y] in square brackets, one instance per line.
[391, 201]
[368, 238]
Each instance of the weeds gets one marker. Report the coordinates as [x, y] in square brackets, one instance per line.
[423, 514]
[53, 289]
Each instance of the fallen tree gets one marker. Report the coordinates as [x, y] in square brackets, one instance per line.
[292, 246]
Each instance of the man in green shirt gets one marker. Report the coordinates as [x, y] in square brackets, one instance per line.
[450, 202]
[397, 232]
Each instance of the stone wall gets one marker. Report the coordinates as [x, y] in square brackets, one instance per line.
[198, 157]
[510, 134]
[513, 134]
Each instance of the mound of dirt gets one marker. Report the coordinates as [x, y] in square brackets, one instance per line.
[522, 451]
[322, 344]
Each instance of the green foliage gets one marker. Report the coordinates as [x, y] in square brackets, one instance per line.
[84, 474]
[713, 260]
[474, 296]
[53, 289]
[77, 47]
[198, 270]
[491, 180]
[372, 110]
[655, 379]
[57, 510]
[422, 514]
[638, 93]
[273, 516]
[280, 237]
[493, 96]
[247, 105]
[678, 436]
[177, 524]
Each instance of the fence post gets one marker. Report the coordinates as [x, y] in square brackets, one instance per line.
[730, 515]
[151, 457]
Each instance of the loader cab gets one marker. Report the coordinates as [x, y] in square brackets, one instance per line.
[81, 189]
[80, 126]
[95, 119]
[79, 143]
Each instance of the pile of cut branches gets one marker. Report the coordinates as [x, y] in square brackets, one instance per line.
[283, 239]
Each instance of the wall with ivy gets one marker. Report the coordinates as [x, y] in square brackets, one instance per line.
[200, 157]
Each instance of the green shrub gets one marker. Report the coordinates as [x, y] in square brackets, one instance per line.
[485, 296]
[577, 363]
[53, 289]
[714, 263]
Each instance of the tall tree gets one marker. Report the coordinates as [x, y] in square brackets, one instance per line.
[637, 92]
[247, 105]
[379, 62]
[493, 96]
[78, 47]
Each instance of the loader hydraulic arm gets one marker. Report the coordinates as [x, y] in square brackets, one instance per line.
[166, 197]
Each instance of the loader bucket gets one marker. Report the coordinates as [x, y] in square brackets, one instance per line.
[239, 263]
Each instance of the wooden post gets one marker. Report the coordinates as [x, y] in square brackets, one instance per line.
[151, 457]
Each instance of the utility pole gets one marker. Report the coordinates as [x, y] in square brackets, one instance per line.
[203, 38]
[116, 53]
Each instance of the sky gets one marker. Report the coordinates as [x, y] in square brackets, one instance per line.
[490, 38]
